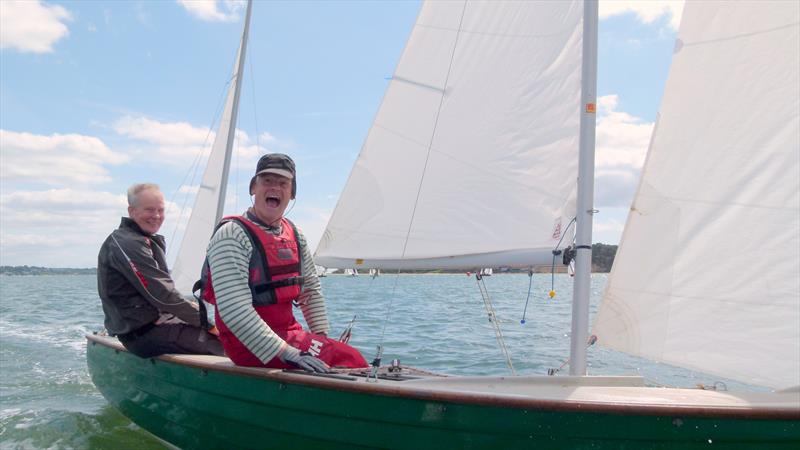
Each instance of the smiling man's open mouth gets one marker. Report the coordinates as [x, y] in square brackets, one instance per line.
[272, 201]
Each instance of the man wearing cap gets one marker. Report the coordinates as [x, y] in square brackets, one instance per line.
[258, 265]
[141, 306]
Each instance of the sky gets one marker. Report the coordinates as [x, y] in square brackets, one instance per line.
[96, 96]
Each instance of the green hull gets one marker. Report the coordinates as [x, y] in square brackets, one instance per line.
[197, 407]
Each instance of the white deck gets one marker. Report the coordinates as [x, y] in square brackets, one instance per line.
[611, 390]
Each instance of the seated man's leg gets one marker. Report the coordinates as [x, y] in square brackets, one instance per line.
[331, 351]
[172, 338]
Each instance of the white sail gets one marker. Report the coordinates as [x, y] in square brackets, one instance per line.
[472, 157]
[210, 200]
[708, 271]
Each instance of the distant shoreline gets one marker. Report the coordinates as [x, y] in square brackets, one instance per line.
[35, 270]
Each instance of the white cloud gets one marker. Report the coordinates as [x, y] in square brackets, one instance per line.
[266, 137]
[57, 227]
[79, 159]
[212, 10]
[646, 11]
[60, 227]
[247, 149]
[58, 201]
[608, 224]
[30, 26]
[180, 143]
[621, 145]
[168, 134]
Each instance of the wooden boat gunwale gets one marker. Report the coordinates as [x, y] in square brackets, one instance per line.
[427, 392]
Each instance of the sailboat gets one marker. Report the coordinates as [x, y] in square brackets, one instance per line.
[502, 94]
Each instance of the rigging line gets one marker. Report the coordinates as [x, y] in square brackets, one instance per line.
[530, 285]
[236, 176]
[590, 342]
[490, 311]
[255, 103]
[433, 132]
[195, 165]
[391, 301]
[388, 309]
[553, 264]
[422, 179]
[565, 231]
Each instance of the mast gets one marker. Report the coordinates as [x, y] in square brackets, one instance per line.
[234, 114]
[585, 203]
[210, 201]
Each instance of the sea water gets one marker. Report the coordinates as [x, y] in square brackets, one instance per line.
[434, 322]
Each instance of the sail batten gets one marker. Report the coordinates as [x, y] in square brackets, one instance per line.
[466, 108]
[706, 276]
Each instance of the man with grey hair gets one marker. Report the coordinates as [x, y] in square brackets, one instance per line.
[141, 305]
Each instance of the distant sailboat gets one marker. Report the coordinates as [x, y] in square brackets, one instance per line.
[501, 94]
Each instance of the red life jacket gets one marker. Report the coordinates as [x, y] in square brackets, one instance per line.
[275, 281]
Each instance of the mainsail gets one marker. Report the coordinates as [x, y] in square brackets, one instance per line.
[210, 200]
[472, 158]
[708, 271]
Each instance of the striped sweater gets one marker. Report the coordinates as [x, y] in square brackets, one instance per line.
[229, 255]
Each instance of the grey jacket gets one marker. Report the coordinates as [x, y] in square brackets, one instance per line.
[134, 283]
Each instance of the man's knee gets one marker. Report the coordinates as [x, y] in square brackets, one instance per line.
[173, 338]
[196, 340]
[140, 347]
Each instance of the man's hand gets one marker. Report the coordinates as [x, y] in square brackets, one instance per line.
[213, 330]
[304, 360]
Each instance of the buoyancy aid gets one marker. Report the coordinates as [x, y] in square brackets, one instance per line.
[274, 264]
[275, 280]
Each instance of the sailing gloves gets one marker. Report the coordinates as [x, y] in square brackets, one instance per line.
[304, 361]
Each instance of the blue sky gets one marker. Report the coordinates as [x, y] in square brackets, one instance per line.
[95, 96]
